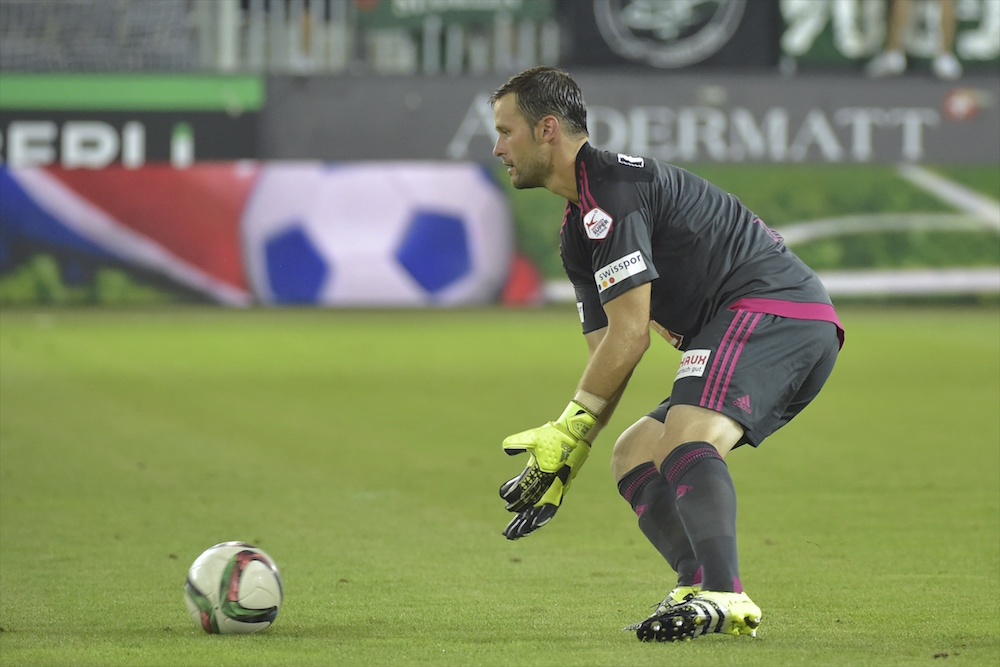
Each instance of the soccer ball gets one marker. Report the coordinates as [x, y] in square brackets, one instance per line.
[377, 234]
[233, 588]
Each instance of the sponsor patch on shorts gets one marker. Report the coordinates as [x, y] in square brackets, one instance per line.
[579, 307]
[693, 363]
[619, 270]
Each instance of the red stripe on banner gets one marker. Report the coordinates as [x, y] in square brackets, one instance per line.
[193, 213]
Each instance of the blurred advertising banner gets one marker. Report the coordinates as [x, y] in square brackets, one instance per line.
[821, 118]
[730, 34]
[405, 37]
[413, 13]
[841, 34]
[768, 34]
[95, 120]
[337, 234]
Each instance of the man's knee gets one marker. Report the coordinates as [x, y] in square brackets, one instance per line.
[650, 440]
[690, 423]
[634, 446]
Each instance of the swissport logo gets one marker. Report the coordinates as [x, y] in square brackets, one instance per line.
[597, 223]
[619, 270]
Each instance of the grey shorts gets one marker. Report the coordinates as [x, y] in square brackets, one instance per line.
[758, 369]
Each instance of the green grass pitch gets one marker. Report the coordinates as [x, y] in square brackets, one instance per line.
[362, 451]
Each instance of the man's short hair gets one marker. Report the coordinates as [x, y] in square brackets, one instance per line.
[542, 91]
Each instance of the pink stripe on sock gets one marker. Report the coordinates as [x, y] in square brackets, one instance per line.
[639, 482]
[687, 460]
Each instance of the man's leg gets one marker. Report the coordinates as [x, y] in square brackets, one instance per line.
[652, 500]
[706, 505]
[696, 439]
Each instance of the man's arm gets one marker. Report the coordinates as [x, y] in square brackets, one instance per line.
[615, 351]
[558, 449]
[594, 339]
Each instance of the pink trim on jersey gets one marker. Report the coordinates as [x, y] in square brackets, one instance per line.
[587, 201]
[793, 309]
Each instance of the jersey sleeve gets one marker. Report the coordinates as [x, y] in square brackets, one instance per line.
[624, 259]
[588, 303]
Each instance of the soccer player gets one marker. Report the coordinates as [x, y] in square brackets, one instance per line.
[648, 245]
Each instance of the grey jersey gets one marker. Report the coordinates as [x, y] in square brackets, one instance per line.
[702, 250]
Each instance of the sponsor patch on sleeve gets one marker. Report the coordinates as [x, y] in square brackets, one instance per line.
[597, 223]
[693, 363]
[619, 270]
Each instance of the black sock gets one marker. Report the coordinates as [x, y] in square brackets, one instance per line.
[706, 502]
[652, 500]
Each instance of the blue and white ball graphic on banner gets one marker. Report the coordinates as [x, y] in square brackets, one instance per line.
[377, 234]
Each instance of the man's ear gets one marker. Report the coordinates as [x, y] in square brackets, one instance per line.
[549, 128]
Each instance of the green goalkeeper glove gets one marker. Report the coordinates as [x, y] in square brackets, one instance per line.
[556, 450]
[533, 518]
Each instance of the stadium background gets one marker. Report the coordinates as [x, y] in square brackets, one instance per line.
[163, 158]
[97, 98]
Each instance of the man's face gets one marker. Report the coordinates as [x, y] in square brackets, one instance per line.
[526, 159]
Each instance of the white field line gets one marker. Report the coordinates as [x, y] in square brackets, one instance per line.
[802, 232]
[856, 283]
[959, 196]
[915, 281]
[839, 283]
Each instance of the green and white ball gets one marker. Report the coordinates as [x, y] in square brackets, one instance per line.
[233, 588]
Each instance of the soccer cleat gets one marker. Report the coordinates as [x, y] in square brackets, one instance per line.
[679, 595]
[709, 611]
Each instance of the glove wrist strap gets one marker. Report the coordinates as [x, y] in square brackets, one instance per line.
[578, 422]
[592, 402]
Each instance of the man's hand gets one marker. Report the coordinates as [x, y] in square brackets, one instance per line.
[556, 450]
[529, 521]
[533, 518]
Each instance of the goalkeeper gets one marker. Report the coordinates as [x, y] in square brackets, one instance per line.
[650, 246]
